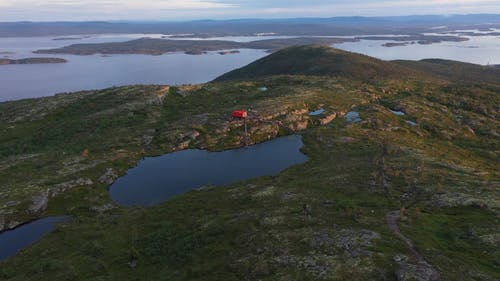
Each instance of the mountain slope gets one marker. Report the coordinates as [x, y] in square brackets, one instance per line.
[409, 191]
[455, 71]
[321, 61]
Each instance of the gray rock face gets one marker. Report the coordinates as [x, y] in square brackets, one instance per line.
[457, 199]
[13, 224]
[62, 187]
[102, 209]
[419, 271]
[193, 135]
[353, 242]
[490, 239]
[108, 177]
[39, 203]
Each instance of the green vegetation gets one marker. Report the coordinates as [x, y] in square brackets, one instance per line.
[32, 61]
[456, 71]
[321, 61]
[152, 46]
[326, 219]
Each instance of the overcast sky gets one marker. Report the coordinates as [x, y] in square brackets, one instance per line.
[75, 10]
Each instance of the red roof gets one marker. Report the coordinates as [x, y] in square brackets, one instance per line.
[240, 114]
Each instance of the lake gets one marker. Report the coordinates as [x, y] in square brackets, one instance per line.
[157, 179]
[13, 241]
[96, 71]
[479, 50]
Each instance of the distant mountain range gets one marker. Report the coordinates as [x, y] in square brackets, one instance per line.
[296, 26]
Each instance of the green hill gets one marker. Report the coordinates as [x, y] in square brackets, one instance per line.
[409, 191]
[455, 71]
[321, 61]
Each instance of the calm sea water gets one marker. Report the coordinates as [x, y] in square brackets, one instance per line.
[156, 179]
[96, 71]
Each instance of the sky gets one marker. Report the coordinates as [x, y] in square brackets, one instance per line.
[175, 10]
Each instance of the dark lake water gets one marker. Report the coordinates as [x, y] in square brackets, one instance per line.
[156, 179]
[13, 241]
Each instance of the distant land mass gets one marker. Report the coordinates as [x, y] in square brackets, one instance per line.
[32, 61]
[193, 47]
[67, 38]
[335, 26]
[153, 46]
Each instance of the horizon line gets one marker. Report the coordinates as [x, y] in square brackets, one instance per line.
[248, 18]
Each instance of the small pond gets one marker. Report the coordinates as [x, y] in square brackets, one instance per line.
[13, 241]
[397, 112]
[353, 117]
[317, 112]
[156, 179]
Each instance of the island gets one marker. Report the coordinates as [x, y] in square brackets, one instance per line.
[398, 44]
[67, 38]
[422, 39]
[229, 52]
[153, 46]
[5, 61]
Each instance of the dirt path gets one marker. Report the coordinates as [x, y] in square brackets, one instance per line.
[424, 270]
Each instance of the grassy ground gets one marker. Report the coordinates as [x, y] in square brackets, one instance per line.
[325, 219]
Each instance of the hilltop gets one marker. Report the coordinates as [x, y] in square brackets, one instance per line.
[456, 71]
[321, 61]
[408, 190]
[326, 61]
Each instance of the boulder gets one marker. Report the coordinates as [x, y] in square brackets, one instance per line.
[39, 203]
[108, 177]
[193, 135]
[491, 239]
[328, 119]
[103, 208]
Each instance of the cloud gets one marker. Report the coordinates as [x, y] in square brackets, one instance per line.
[51, 10]
[143, 4]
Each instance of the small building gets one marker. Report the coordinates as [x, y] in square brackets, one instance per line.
[240, 114]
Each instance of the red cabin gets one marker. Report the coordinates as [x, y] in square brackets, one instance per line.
[240, 114]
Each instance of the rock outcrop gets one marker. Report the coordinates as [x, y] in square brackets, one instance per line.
[419, 271]
[108, 177]
[39, 203]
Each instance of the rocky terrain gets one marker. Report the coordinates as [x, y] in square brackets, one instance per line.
[402, 182]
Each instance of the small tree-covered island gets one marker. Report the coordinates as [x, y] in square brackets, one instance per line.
[397, 177]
